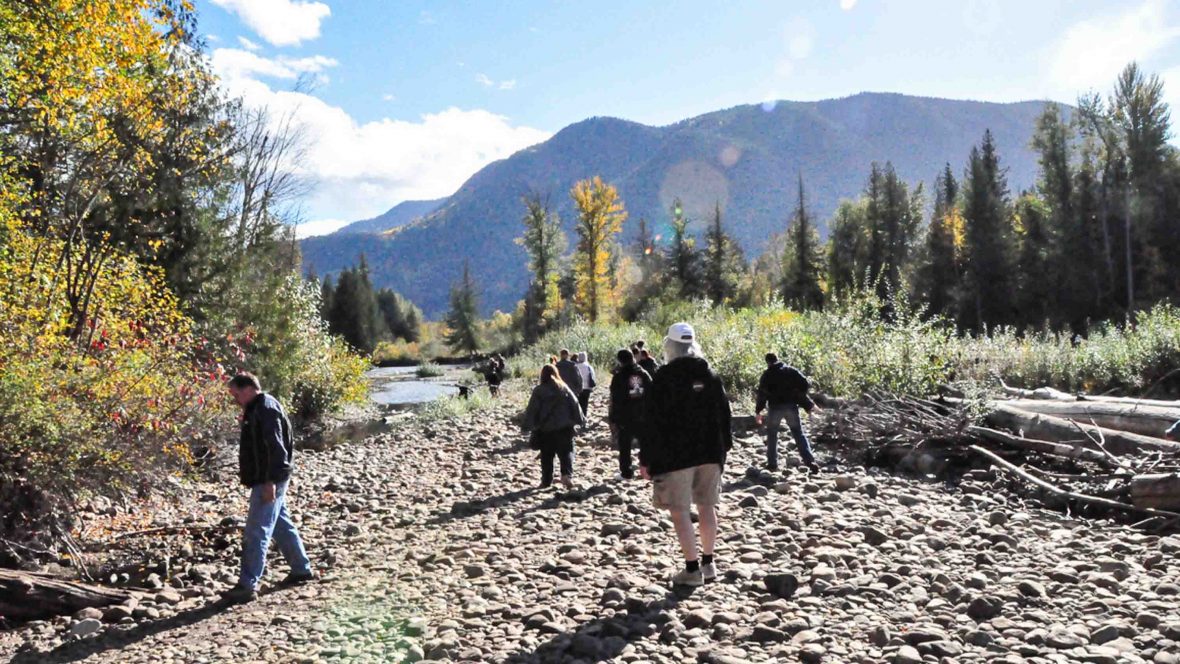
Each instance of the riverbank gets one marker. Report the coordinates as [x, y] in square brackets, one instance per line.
[434, 544]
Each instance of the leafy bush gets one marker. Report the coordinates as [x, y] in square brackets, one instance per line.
[852, 347]
[429, 370]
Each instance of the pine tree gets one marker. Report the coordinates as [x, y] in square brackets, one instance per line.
[1035, 289]
[894, 218]
[988, 287]
[400, 316]
[724, 263]
[941, 269]
[803, 263]
[463, 319]
[600, 219]
[847, 247]
[326, 293]
[682, 258]
[545, 243]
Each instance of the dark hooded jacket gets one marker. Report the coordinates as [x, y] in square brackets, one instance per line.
[568, 370]
[629, 387]
[688, 418]
[266, 451]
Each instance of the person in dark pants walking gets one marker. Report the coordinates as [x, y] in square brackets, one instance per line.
[265, 460]
[551, 416]
[589, 382]
[628, 394]
[568, 371]
[783, 391]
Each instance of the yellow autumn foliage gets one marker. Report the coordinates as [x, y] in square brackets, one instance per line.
[596, 275]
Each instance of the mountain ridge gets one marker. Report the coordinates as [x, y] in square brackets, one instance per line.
[746, 157]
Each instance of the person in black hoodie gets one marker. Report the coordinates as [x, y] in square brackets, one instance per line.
[628, 392]
[783, 389]
[688, 437]
[265, 459]
[551, 416]
[647, 362]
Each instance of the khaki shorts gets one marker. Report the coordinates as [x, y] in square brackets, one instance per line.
[699, 485]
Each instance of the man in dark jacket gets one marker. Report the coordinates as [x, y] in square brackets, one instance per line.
[568, 370]
[683, 452]
[628, 392]
[784, 389]
[265, 459]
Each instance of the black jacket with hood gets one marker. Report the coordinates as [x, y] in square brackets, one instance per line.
[688, 418]
[629, 387]
[266, 451]
[551, 408]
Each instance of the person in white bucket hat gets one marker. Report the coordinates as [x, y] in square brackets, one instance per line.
[684, 451]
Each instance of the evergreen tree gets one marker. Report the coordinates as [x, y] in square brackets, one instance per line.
[463, 318]
[600, 219]
[682, 258]
[724, 263]
[803, 263]
[893, 217]
[326, 294]
[988, 287]
[847, 247]
[1035, 289]
[545, 243]
[400, 317]
[941, 269]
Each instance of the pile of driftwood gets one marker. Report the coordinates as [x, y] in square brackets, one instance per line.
[1104, 453]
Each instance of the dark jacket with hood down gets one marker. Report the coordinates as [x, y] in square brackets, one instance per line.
[782, 385]
[266, 451]
[688, 418]
[552, 408]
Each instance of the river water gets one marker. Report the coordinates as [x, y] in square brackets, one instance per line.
[396, 386]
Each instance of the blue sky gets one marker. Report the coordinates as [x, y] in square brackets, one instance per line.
[409, 98]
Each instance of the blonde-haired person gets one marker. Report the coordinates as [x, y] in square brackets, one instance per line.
[688, 438]
[551, 416]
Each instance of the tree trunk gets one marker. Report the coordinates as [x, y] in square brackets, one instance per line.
[1060, 450]
[1144, 420]
[29, 596]
[1156, 491]
[1056, 429]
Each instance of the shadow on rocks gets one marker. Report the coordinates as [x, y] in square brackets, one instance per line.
[465, 509]
[604, 639]
[76, 651]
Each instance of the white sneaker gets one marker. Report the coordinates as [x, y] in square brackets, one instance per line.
[709, 571]
[689, 579]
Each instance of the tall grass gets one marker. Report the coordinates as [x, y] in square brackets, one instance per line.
[851, 347]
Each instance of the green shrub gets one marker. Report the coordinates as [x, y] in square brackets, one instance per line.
[429, 370]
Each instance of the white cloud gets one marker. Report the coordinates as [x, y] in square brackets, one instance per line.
[1092, 52]
[234, 64]
[359, 170]
[486, 81]
[319, 227]
[846, 5]
[280, 22]
[388, 97]
[248, 45]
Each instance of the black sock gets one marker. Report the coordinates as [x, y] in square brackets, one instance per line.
[692, 565]
[707, 559]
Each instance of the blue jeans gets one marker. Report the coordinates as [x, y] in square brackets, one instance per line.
[774, 419]
[263, 521]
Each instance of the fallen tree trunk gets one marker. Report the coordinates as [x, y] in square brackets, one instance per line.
[1041, 393]
[1056, 429]
[29, 596]
[1070, 495]
[1157, 403]
[1161, 491]
[1061, 450]
[1144, 420]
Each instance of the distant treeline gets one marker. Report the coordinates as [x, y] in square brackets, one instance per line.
[365, 316]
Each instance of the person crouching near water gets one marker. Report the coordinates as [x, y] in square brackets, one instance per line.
[551, 416]
[684, 450]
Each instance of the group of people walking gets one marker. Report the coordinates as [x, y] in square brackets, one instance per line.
[679, 416]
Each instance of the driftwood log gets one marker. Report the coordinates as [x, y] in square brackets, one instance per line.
[30, 596]
[1057, 429]
[1053, 394]
[1145, 420]
[1060, 450]
[1160, 491]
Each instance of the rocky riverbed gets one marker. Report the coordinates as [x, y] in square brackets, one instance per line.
[434, 545]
